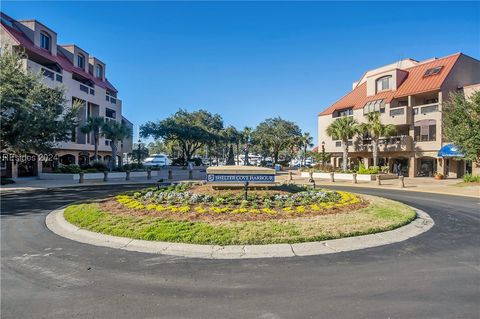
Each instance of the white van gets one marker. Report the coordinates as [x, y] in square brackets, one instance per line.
[156, 160]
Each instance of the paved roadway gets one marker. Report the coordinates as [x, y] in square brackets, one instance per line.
[434, 275]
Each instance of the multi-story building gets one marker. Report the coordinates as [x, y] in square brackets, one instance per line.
[409, 95]
[83, 77]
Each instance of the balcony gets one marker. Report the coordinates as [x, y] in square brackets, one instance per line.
[400, 143]
[400, 115]
[425, 109]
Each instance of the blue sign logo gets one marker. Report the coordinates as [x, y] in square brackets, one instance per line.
[240, 178]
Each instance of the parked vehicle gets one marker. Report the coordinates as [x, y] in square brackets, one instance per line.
[156, 160]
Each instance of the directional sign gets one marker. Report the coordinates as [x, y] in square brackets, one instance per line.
[241, 178]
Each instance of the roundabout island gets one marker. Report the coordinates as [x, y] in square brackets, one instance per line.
[239, 221]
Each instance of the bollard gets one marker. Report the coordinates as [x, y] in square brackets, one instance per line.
[170, 174]
[377, 178]
[290, 176]
[354, 178]
[105, 176]
[190, 174]
[332, 177]
[81, 179]
[401, 182]
[127, 176]
[149, 174]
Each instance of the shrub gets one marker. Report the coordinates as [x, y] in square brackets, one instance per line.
[99, 166]
[69, 169]
[197, 161]
[179, 162]
[5, 181]
[370, 170]
[469, 178]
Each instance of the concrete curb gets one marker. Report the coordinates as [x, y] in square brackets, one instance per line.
[56, 222]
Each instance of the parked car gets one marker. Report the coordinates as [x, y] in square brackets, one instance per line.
[156, 160]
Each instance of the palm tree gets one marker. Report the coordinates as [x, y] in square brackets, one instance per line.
[343, 129]
[306, 142]
[246, 137]
[93, 125]
[115, 132]
[376, 129]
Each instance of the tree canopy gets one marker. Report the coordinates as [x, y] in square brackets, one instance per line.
[34, 117]
[277, 135]
[191, 130]
[461, 123]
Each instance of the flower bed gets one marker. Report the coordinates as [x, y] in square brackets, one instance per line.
[182, 202]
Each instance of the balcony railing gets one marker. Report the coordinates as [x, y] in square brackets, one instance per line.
[425, 109]
[397, 111]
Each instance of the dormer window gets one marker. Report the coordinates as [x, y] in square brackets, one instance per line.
[343, 112]
[99, 71]
[45, 41]
[81, 61]
[384, 83]
[432, 71]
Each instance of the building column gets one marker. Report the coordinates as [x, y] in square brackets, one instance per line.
[441, 165]
[365, 162]
[412, 167]
[333, 162]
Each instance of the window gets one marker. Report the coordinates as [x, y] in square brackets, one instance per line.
[425, 131]
[433, 71]
[384, 83]
[99, 71]
[59, 78]
[84, 88]
[81, 61]
[343, 112]
[110, 113]
[45, 41]
[339, 143]
[431, 101]
[402, 103]
[48, 73]
[374, 106]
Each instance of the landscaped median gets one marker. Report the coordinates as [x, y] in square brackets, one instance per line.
[200, 214]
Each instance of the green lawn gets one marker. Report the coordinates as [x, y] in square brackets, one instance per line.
[381, 215]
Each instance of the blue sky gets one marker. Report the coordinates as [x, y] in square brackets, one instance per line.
[252, 60]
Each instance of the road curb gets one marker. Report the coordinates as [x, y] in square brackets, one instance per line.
[56, 222]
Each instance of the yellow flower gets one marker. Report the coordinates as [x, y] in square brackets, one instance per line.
[300, 209]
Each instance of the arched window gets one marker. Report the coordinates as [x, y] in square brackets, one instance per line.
[425, 131]
[81, 61]
[99, 71]
[384, 83]
[45, 41]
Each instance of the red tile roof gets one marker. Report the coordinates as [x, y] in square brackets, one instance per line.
[21, 39]
[414, 83]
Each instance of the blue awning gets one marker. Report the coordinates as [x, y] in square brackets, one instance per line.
[449, 150]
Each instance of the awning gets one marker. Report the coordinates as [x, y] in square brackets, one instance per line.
[449, 150]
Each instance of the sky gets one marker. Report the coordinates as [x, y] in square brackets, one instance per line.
[249, 61]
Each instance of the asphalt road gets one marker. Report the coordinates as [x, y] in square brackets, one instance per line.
[434, 275]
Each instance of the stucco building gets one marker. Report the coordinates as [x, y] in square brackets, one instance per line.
[84, 78]
[408, 94]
